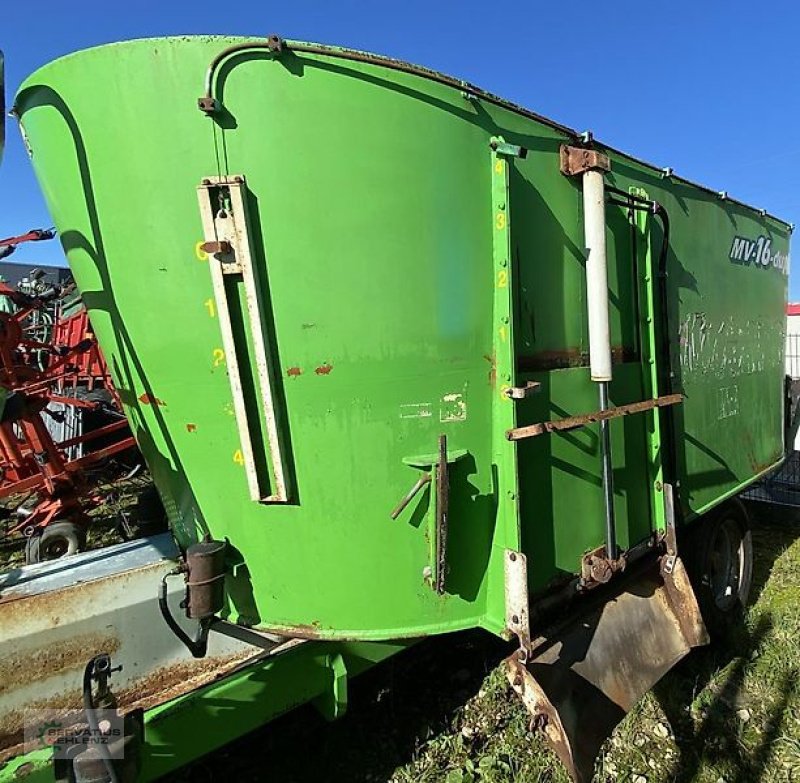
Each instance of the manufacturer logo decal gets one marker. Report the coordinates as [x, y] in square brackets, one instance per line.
[758, 253]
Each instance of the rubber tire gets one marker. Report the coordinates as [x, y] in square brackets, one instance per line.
[150, 513]
[66, 535]
[722, 598]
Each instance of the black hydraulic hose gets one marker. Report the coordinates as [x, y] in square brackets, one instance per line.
[91, 715]
[663, 216]
[666, 360]
[197, 647]
[664, 381]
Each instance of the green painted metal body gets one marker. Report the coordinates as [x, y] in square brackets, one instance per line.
[409, 273]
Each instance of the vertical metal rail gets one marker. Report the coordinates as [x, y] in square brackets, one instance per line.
[648, 347]
[508, 588]
[504, 408]
[227, 243]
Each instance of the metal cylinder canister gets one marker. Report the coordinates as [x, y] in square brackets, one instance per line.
[206, 579]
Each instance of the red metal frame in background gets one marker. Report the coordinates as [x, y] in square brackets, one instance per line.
[35, 374]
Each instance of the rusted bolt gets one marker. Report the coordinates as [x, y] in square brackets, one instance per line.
[206, 182]
[238, 179]
[515, 619]
[207, 104]
[659, 486]
[275, 43]
[513, 557]
[215, 248]
[517, 680]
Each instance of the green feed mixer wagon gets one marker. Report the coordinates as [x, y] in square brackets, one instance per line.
[404, 359]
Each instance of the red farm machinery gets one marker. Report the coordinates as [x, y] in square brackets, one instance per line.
[62, 416]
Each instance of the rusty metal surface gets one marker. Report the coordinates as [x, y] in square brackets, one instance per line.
[571, 357]
[442, 514]
[205, 580]
[597, 568]
[574, 422]
[577, 160]
[585, 677]
[57, 615]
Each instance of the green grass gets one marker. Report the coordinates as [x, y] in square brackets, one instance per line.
[443, 711]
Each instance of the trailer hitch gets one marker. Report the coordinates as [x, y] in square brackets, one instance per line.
[107, 750]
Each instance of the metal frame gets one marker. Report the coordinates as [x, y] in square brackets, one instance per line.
[226, 234]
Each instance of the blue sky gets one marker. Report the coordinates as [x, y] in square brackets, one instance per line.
[708, 88]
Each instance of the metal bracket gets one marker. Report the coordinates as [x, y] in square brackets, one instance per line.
[669, 518]
[511, 150]
[333, 703]
[577, 160]
[516, 591]
[523, 392]
[597, 568]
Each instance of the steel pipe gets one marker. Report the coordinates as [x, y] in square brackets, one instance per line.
[594, 216]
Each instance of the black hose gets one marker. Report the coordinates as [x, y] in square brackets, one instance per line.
[91, 715]
[197, 647]
[666, 360]
[664, 381]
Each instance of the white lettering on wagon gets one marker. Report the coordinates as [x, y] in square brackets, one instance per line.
[758, 252]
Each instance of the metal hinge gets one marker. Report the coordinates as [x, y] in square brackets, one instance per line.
[577, 160]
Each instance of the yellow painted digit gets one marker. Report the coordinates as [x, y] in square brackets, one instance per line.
[500, 221]
[219, 357]
[209, 303]
[199, 252]
[503, 389]
[498, 167]
[502, 279]
[238, 457]
[502, 334]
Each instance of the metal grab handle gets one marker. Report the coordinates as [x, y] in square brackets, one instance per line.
[226, 235]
